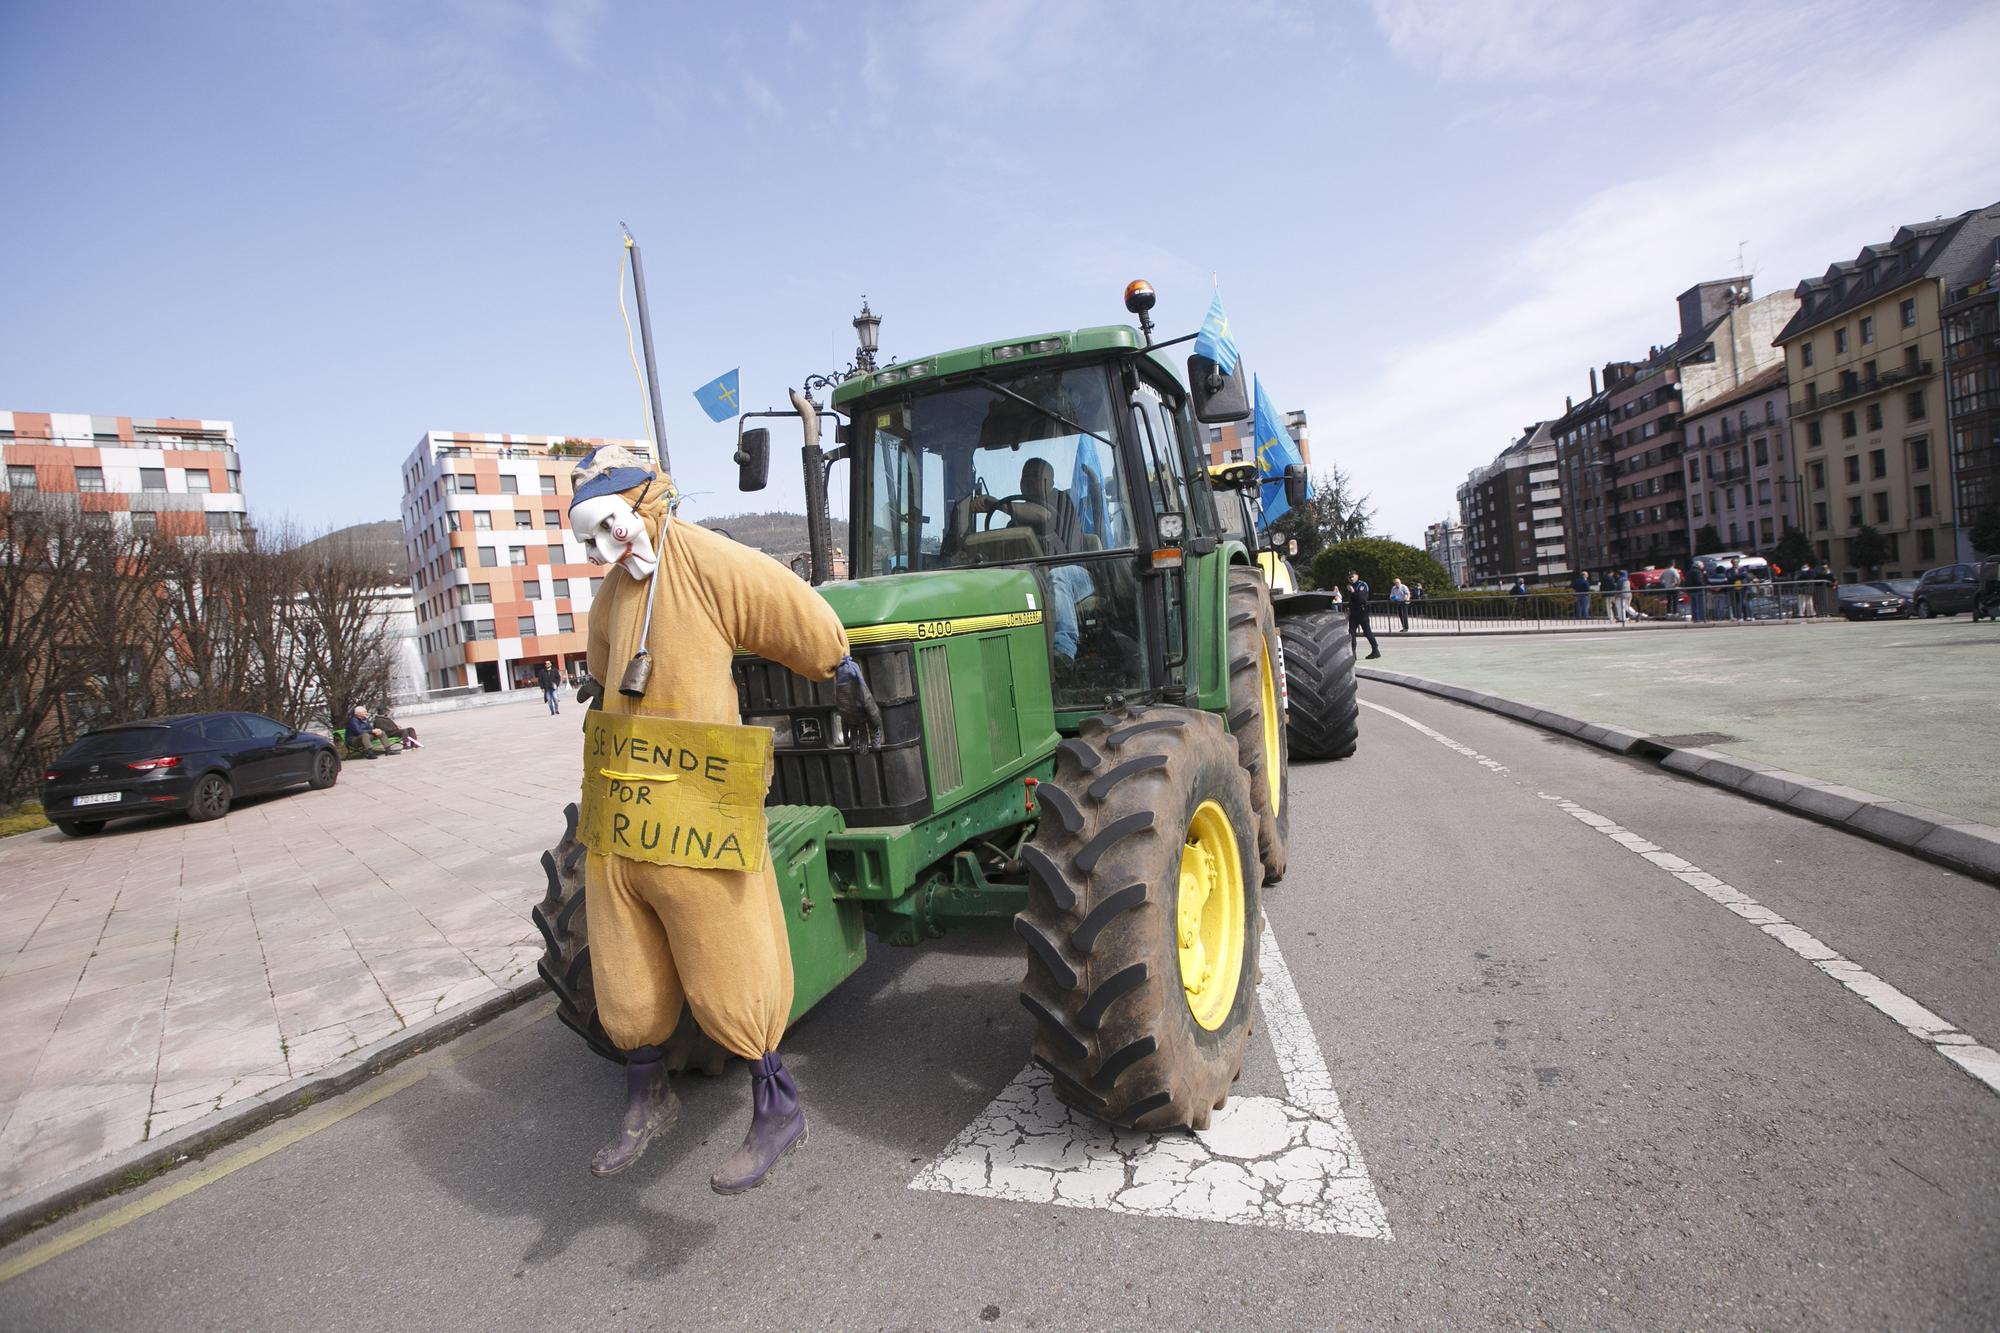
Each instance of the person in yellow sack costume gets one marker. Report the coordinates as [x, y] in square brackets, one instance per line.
[664, 934]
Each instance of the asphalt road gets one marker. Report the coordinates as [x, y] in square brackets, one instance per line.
[1587, 1095]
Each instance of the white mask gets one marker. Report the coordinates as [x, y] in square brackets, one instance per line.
[615, 533]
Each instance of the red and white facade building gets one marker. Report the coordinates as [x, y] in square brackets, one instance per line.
[500, 583]
[168, 476]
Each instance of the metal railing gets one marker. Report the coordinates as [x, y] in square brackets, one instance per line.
[1546, 610]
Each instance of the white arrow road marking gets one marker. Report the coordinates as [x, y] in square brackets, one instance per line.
[1287, 1162]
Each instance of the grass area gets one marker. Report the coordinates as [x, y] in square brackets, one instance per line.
[22, 819]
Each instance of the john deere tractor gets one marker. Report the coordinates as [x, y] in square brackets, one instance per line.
[1322, 710]
[1079, 675]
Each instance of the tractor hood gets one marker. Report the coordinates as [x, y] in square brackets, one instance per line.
[935, 605]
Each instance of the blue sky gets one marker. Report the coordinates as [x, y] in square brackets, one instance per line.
[343, 224]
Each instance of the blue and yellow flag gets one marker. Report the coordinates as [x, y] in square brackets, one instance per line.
[1215, 341]
[720, 397]
[1276, 451]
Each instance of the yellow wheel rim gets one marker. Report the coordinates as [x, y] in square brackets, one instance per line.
[1273, 760]
[1209, 917]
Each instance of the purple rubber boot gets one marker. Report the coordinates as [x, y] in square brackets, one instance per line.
[650, 1108]
[776, 1126]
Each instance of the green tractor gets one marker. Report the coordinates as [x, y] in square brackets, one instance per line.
[1322, 710]
[1080, 677]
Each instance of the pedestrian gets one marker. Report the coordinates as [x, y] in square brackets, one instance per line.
[1357, 614]
[407, 735]
[1624, 597]
[1719, 604]
[1580, 585]
[1607, 590]
[1670, 583]
[1399, 596]
[546, 677]
[1519, 594]
[1417, 593]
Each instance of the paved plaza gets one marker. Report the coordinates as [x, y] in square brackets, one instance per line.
[1907, 709]
[163, 970]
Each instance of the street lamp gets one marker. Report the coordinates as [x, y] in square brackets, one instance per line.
[866, 325]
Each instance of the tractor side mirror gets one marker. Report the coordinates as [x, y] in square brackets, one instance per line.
[843, 432]
[753, 459]
[1218, 397]
[1295, 485]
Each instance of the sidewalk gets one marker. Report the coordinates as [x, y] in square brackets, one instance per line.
[163, 970]
[1907, 709]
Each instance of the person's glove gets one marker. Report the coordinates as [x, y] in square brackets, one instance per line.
[590, 693]
[856, 702]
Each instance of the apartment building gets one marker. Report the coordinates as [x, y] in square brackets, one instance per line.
[1512, 512]
[1972, 396]
[1739, 475]
[1235, 442]
[1868, 404]
[1583, 470]
[167, 476]
[1445, 541]
[499, 582]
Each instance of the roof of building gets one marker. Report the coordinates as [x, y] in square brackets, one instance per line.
[1766, 380]
[1950, 249]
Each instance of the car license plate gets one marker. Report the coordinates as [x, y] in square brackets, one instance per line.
[101, 798]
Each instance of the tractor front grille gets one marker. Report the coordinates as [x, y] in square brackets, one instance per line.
[817, 764]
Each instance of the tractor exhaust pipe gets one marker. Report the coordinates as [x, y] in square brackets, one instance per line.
[819, 530]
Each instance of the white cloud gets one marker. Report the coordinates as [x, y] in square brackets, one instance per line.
[760, 96]
[1831, 174]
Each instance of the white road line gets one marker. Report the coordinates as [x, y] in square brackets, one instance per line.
[1961, 1048]
[1288, 1162]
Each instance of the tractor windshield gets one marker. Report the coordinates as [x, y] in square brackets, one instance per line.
[1018, 470]
[994, 473]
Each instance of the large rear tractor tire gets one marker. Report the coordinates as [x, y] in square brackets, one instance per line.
[565, 965]
[1257, 715]
[1145, 909]
[1323, 713]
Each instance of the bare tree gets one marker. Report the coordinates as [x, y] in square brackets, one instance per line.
[338, 620]
[40, 563]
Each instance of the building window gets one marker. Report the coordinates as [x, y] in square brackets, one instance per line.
[1839, 341]
[1770, 412]
[451, 517]
[1805, 353]
[524, 518]
[1853, 462]
[1881, 506]
[527, 627]
[1913, 405]
[1694, 468]
[489, 557]
[1763, 449]
[1819, 515]
[482, 520]
[1847, 424]
[1697, 505]
[1812, 435]
[517, 555]
[1878, 463]
[1927, 544]
[90, 480]
[1763, 492]
[510, 485]
[1920, 454]
[551, 518]
[458, 557]
[198, 479]
[451, 483]
[565, 622]
[480, 592]
[1701, 434]
[1913, 359]
[219, 522]
[1867, 329]
[1922, 497]
[1909, 309]
[1818, 474]
[548, 485]
[152, 479]
[1874, 416]
[1853, 511]
[22, 479]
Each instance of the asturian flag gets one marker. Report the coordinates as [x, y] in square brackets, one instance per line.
[1276, 451]
[1214, 340]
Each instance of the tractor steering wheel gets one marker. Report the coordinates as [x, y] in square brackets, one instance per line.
[986, 519]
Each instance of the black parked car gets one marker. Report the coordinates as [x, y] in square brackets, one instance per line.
[197, 763]
[1947, 590]
[1876, 601]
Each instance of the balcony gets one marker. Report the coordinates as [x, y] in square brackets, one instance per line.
[1868, 388]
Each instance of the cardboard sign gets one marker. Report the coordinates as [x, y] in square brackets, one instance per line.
[674, 793]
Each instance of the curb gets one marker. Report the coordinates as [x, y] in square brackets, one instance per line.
[1963, 845]
[25, 1212]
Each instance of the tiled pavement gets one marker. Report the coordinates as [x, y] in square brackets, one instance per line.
[163, 970]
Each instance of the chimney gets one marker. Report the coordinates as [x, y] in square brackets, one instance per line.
[1593, 381]
[1569, 404]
